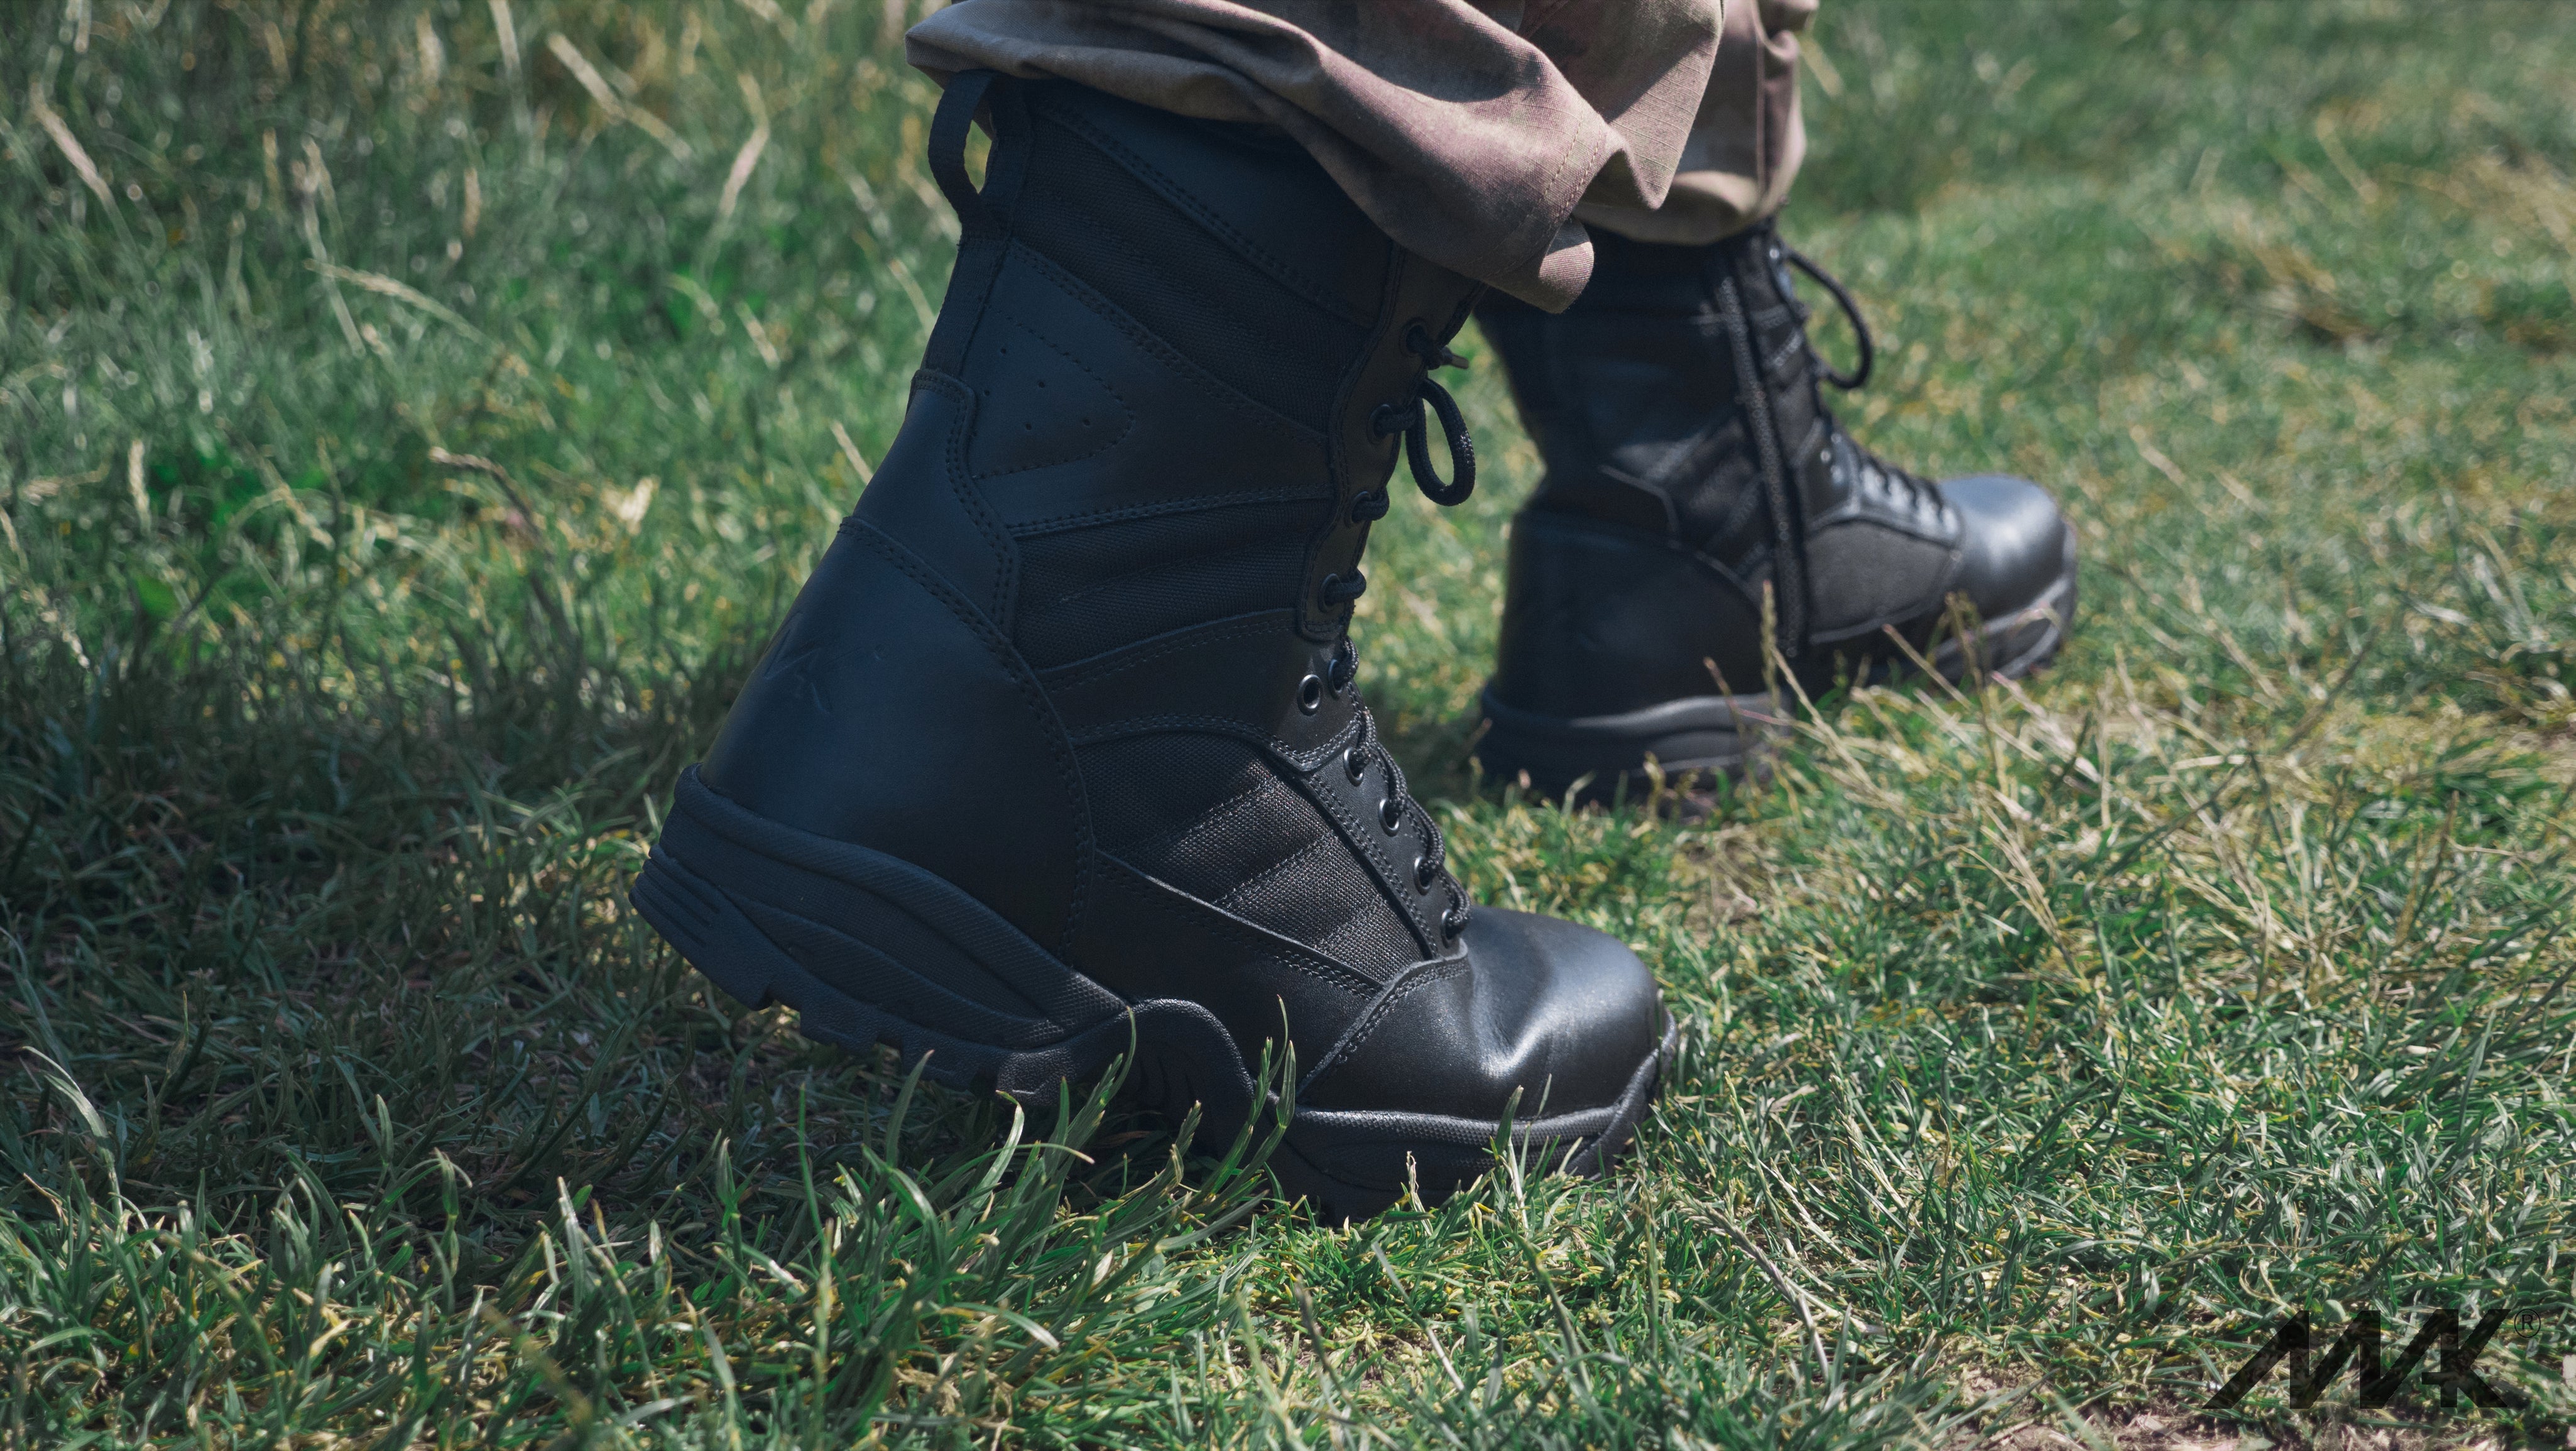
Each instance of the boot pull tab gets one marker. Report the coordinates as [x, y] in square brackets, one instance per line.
[948, 130]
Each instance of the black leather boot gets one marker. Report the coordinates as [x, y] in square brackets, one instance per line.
[1061, 743]
[1694, 477]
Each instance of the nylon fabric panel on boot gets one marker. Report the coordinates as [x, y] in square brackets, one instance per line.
[1880, 577]
[1146, 790]
[1250, 185]
[1243, 838]
[1262, 852]
[1324, 897]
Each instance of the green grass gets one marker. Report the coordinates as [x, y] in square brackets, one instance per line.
[2041, 1044]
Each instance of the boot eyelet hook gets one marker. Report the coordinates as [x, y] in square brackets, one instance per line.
[1310, 694]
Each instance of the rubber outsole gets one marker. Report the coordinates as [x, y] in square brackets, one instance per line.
[1728, 735]
[971, 1001]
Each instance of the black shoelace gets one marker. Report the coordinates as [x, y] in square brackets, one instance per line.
[1919, 491]
[1410, 416]
[1433, 865]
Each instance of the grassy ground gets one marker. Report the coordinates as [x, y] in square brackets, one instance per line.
[413, 413]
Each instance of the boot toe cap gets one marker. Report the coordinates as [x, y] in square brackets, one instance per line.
[2016, 541]
[1563, 1015]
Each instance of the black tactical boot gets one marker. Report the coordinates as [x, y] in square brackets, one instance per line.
[1693, 472]
[1061, 742]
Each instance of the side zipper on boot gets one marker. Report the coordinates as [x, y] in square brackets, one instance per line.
[1788, 550]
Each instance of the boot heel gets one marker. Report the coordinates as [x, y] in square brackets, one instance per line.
[869, 949]
[1704, 735]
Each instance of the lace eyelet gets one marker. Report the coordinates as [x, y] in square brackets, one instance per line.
[1424, 873]
[1454, 921]
[1310, 694]
[1390, 814]
[1355, 763]
[1368, 506]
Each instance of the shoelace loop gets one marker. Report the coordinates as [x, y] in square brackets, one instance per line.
[1851, 314]
[1411, 417]
[1919, 491]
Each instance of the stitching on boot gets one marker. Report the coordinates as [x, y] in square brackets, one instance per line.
[1058, 523]
[979, 511]
[1032, 695]
[1415, 978]
[1257, 941]
[1227, 807]
[1127, 412]
[1087, 672]
[1173, 192]
[1356, 833]
[1236, 893]
[1304, 761]
[1145, 338]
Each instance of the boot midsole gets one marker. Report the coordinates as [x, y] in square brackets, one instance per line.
[1698, 733]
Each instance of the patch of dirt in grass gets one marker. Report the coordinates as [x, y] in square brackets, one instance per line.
[2030, 1421]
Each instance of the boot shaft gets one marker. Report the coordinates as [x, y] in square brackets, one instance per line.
[1168, 338]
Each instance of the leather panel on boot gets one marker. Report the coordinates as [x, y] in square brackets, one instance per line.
[1246, 676]
[1599, 621]
[830, 736]
[1271, 202]
[1057, 410]
[1559, 1012]
[922, 498]
[1192, 435]
[2014, 535]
